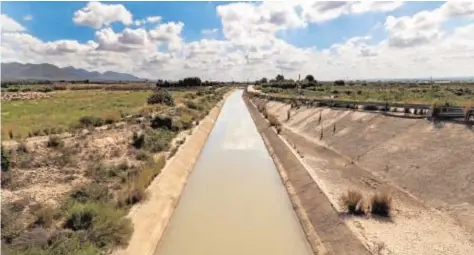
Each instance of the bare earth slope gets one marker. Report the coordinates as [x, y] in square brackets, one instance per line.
[429, 170]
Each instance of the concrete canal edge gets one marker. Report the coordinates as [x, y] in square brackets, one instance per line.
[325, 231]
[151, 217]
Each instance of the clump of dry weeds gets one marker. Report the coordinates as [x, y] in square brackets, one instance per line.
[381, 204]
[353, 202]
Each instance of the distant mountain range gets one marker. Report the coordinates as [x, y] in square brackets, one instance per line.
[17, 71]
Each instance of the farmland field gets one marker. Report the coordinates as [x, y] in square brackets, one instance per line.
[64, 108]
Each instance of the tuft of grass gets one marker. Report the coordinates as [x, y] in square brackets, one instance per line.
[104, 226]
[44, 216]
[467, 111]
[274, 122]
[381, 204]
[136, 186]
[93, 192]
[143, 155]
[111, 117]
[22, 148]
[353, 202]
[90, 121]
[55, 142]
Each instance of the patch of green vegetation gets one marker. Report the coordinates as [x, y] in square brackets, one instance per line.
[456, 94]
[65, 108]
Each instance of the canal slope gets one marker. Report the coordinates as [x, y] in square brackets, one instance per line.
[234, 201]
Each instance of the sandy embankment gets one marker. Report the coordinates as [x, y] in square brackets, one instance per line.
[151, 217]
[429, 171]
[324, 229]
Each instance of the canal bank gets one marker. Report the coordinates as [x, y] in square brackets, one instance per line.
[325, 230]
[234, 201]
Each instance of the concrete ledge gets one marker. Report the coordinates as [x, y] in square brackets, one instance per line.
[325, 231]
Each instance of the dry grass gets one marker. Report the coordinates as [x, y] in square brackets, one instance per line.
[467, 111]
[381, 204]
[353, 202]
[272, 118]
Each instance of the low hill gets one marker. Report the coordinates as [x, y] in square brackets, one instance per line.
[17, 71]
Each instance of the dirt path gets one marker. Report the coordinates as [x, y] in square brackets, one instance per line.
[151, 217]
[334, 236]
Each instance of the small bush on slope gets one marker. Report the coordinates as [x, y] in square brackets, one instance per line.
[381, 204]
[353, 202]
[104, 226]
[161, 96]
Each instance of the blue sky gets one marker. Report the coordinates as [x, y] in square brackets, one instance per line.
[53, 21]
[397, 39]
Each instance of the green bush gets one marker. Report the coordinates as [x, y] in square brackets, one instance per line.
[142, 155]
[91, 121]
[91, 193]
[6, 161]
[192, 105]
[104, 226]
[162, 121]
[158, 140]
[161, 96]
[45, 89]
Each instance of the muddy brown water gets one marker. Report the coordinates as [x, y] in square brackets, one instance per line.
[234, 201]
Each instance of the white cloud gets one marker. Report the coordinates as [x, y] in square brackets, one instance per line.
[96, 15]
[426, 26]
[319, 11]
[168, 33]
[209, 31]
[9, 25]
[251, 48]
[28, 18]
[153, 19]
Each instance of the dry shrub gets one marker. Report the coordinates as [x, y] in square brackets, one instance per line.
[467, 111]
[272, 118]
[435, 109]
[104, 226]
[353, 201]
[136, 186]
[44, 216]
[173, 151]
[381, 204]
[37, 237]
[55, 142]
[111, 117]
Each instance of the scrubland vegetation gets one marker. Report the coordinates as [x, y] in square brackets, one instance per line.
[455, 93]
[68, 193]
